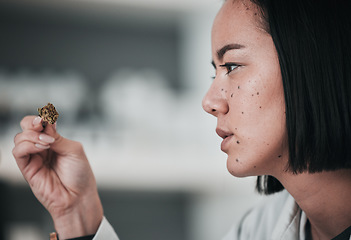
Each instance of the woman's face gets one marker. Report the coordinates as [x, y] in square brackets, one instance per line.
[247, 95]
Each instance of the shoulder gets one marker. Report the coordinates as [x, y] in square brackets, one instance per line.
[260, 222]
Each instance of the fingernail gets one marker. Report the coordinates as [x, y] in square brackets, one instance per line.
[36, 121]
[46, 138]
[54, 125]
[42, 146]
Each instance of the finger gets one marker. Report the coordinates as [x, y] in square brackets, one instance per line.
[33, 136]
[23, 151]
[30, 164]
[50, 129]
[32, 123]
[62, 145]
[66, 146]
[32, 168]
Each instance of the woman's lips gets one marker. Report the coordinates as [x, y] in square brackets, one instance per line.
[225, 143]
[227, 137]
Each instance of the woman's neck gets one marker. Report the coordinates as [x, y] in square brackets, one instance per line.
[325, 198]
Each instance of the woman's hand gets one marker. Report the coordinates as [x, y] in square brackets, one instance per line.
[60, 176]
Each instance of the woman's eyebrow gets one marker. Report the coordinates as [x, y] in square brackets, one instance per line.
[226, 48]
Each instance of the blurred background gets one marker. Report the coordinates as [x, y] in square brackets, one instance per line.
[127, 78]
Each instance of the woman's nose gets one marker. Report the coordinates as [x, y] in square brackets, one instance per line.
[215, 101]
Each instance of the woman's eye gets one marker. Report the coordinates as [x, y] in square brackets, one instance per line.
[229, 67]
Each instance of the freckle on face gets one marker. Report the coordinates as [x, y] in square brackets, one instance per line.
[259, 139]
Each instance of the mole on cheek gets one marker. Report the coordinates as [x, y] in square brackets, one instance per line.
[231, 95]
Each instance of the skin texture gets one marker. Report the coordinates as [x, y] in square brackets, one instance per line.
[248, 102]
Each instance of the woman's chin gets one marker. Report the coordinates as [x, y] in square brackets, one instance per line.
[240, 169]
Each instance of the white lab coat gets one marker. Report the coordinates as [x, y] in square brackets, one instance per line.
[105, 231]
[277, 218]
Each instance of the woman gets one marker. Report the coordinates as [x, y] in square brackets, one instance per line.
[280, 96]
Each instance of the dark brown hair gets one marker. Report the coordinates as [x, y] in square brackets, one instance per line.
[313, 41]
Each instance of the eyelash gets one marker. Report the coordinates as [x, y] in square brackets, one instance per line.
[230, 67]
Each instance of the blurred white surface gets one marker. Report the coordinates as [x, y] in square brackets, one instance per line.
[22, 91]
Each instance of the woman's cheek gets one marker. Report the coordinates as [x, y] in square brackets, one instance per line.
[256, 126]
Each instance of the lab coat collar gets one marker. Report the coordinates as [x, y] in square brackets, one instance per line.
[291, 222]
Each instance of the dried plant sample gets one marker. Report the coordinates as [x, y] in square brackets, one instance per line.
[48, 113]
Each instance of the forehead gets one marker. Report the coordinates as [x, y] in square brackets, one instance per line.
[237, 20]
[242, 8]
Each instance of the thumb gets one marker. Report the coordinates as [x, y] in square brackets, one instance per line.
[62, 145]
[50, 129]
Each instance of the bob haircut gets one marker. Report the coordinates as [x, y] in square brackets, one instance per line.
[313, 42]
